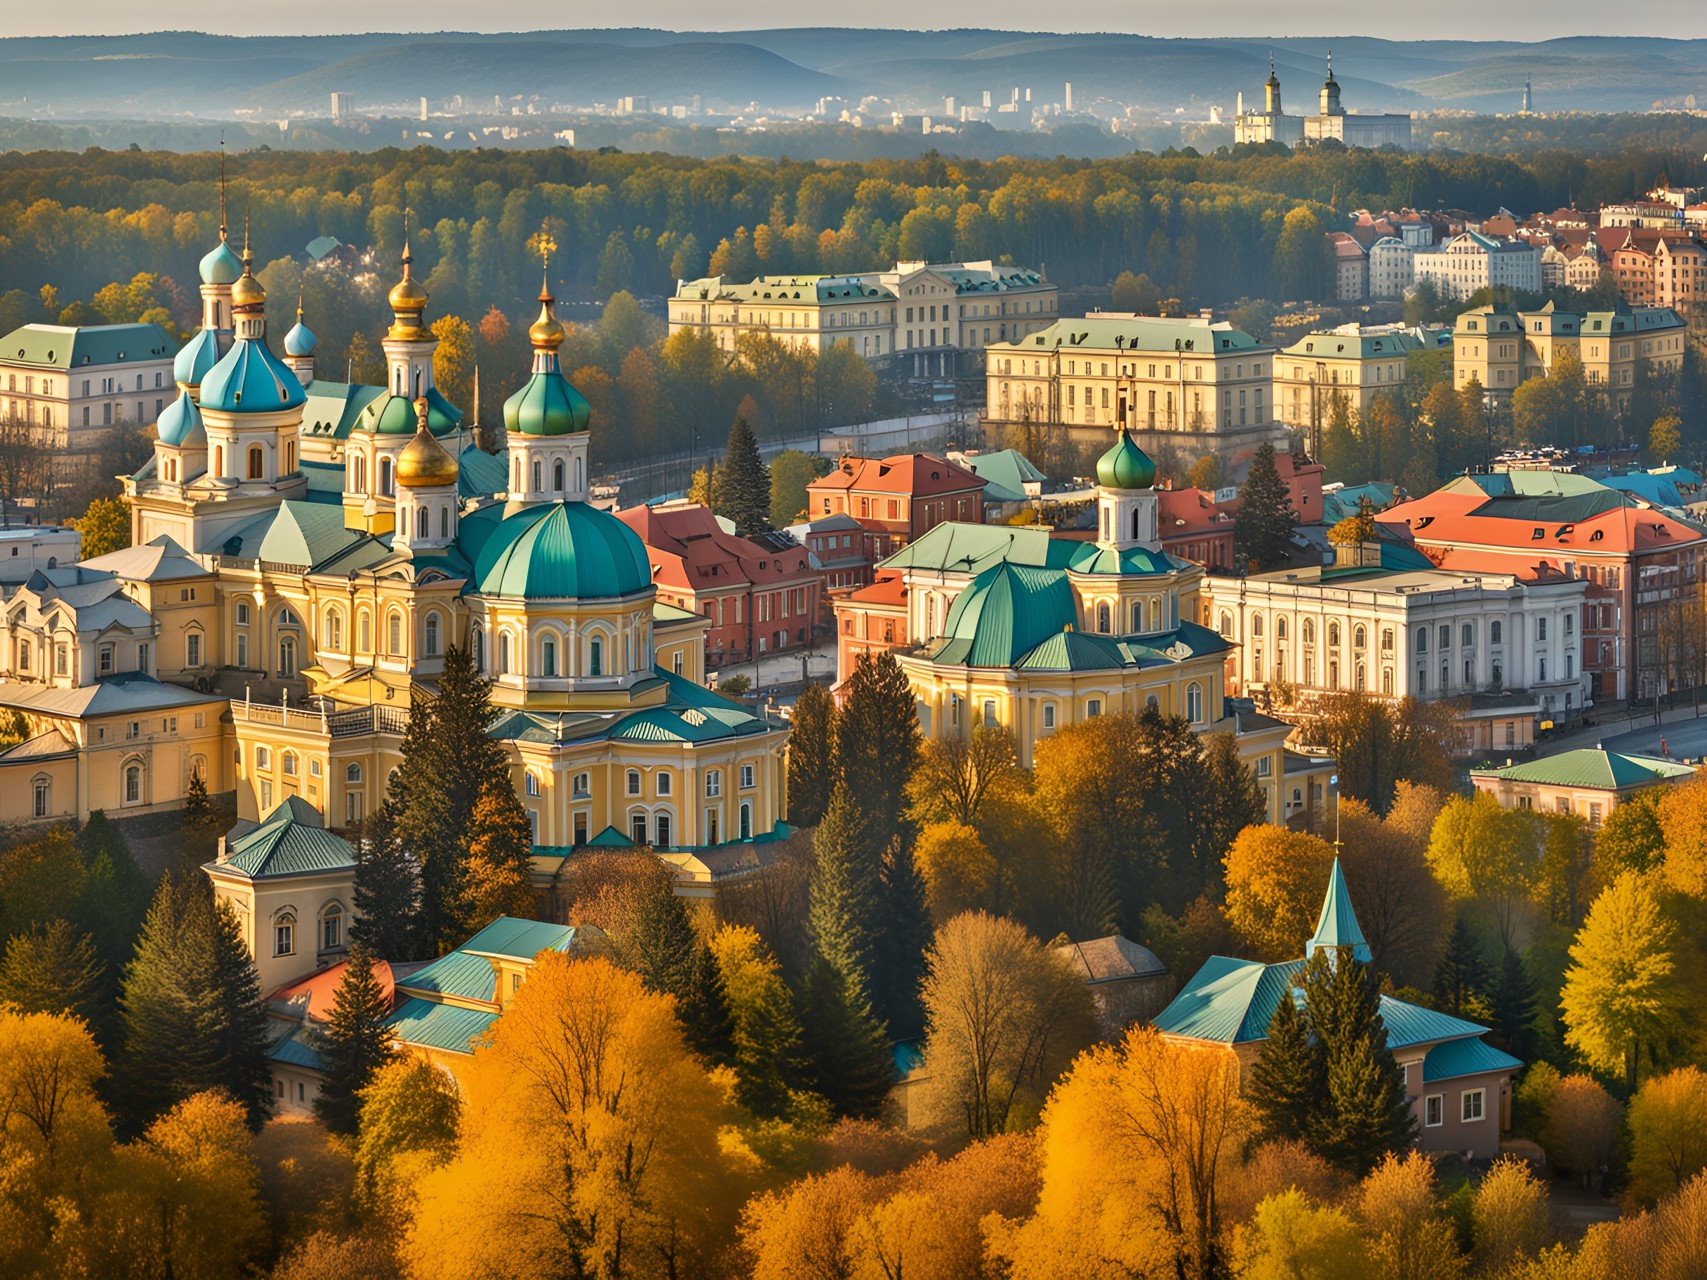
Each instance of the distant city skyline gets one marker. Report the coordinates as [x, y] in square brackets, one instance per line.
[1302, 18]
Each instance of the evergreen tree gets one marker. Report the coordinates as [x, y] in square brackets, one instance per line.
[114, 897]
[387, 891]
[198, 825]
[744, 483]
[811, 756]
[1367, 1113]
[877, 741]
[901, 944]
[243, 1036]
[55, 969]
[704, 1013]
[766, 1034]
[661, 944]
[845, 903]
[497, 880]
[1262, 532]
[851, 1057]
[354, 1044]
[1461, 980]
[1513, 1000]
[1289, 1085]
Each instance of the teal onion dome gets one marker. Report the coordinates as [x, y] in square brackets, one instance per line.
[195, 360]
[1126, 466]
[300, 341]
[222, 265]
[181, 423]
[395, 416]
[251, 379]
[563, 550]
[547, 405]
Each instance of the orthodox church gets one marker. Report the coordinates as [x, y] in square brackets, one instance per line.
[305, 552]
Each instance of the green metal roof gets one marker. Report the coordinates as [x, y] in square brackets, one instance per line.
[331, 409]
[546, 405]
[1229, 1001]
[180, 424]
[467, 972]
[1409, 1024]
[480, 474]
[518, 939]
[1137, 333]
[558, 550]
[1126, 466]
[610, 838]
[1087, 557]
[221, 265]
[296, 1049]
[1337, 926]
[449, 1027]
[306, 533]
[455, 974]
[1592, 767]
[393, 415]
[1006, 612]
[249, 378]
[1005, 473]
[290, 841]
[1077, 651]
[64, 346]
[1467, 1057]
[197, 357]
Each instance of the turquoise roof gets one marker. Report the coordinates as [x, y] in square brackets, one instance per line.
[1126, 466]
[562, 550]
[1409, 1024]
[518, 939]
[64, 346]
[1591, 767]
[1229, 1001]
[196, 358]
[290, 841]
[546, 405]
[1337, 926]
[333, 408]
[1006, 612]
[455, 974]
[300, 341]
[296, 1049]
[467, 972]
[956, 546]
[181, 423]
[1005, 473]
[1077, 651]
[1087, 557]
[689, 713]
[1470, 1056]
[250, 379]
[394, 415]
[221, 265]
[449, 1027]
[480, 474]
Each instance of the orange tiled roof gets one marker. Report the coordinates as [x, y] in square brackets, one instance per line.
[915, 474]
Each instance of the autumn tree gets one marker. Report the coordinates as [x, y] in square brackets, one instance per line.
[1683, 823]
[590, 1139]
[1398, 1207]
[1668, 1132]
[1665, 437]
[1262, 533]
[1003, 1017]
[1508, 1215]
[105, 527]
[812, 767]
[354, 1043]
[1489, 855]
[1135, 1138]
[1621, 993]
[497, 878]
[454, 360]
[808, 1228]
[957, 777]
[766, 1034]
[959, 871]
[409, 1114]
[1378, 744]
[1275, 882]
[791, 471]
[1400, 905]
[1630, 837]
[1292, 1237]
[1583, 1126]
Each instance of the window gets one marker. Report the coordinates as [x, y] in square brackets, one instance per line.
[582, 785]
[1194, 702]
[746, 777]
[665, 783]
[1474, 1105]
[1494, 632]
[257, 462]
[1334, 634]
[133, 784]
[532, 783]
[746, 820]
[353, 774]
[1048, 715]
[432, 640]
[1093, 708]
[503, 653]
[1359, 637]
[287, 657]
[106, 659]
[714, 783]
[634, 782]
[242, 613]
[332, 927]
[596, 657]
[1434, 1111]
[42, 803]
[1104, 624]
[287, 764]
[661, 824]
[548, 658]
[712, 835]
[394, 633]
[364, 632]
[1467, 635]
[263, 758]
[284, 935]
[62, 656]
[1422, 640]
[636, 821]
[1541, 629]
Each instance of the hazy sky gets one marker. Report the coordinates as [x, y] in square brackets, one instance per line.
[1676, 18]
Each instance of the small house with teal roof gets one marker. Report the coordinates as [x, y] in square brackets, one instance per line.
[1459, 1086]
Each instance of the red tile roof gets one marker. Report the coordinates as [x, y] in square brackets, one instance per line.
[910, 473]
[690, 551]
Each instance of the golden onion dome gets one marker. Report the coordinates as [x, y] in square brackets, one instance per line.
[546, 333]
[247, 293]
[407, 296]
[424, 462]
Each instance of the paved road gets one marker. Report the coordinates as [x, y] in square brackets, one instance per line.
[1683, 732]
[785, 667]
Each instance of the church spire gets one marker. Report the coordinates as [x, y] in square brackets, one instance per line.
[1337, 926]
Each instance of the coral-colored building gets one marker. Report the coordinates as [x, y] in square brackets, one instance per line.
[870, 620]
[1193, 526]
[760, 594]
[897, 499]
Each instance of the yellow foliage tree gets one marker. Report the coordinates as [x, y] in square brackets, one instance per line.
[1683, 823]
[105, 527]
[1668, 1133]
[589, 1140]
[1275, 883]
[453, 360]
[1485, 854]
[1508, 1216]
[1134, 1141]
[1621, 992]
[957, 866]
[1291, 1237]
[1398, 1207]
[808, 1228]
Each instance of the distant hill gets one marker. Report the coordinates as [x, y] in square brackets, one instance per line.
[174, 74]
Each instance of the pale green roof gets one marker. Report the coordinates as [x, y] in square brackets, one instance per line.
[332, 408]
[562, 550]
[546, 405]
[305, 533]
[393, 415]
[63, 346]
[1592, 767]
[1354, 346]
[480, 474]
[1229, 1001]
[1006, 612]
[448, 1027]
[291, 841]
[1337, 926]
[958, 547]
[467, 972]
[1137, 333]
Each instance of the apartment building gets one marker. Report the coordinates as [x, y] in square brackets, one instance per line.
[897, 500]
[76, 382]
[1392, 267]
[1471, 261]
[929, 314]
[1353, 362]
[1501, 347]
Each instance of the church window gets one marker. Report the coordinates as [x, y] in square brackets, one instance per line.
[1104, 624]
[331, 927]
[444, 522]
[364, 632]
[394, 633]
[385, 476]
[133, 784]
[504, 653]
[284, 934]
[557, 475]
[42, 803]
[548, 658]
[257, 462]
[1194, 702]
[596, 657]
[537, 486]
[353, 774]
[334, 630]
[423, 524]
[432, 629]
[287, 763]
[287, 657]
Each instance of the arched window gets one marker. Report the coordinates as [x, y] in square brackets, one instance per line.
[394, 632]
[287, 656]
[358, 474]
[503, 653]
[290, 457]
[1334, 634]
[331, 927]
[385, 473]
[444, 522]
[1135, 533]
[580, 475]
[633, 782]
[1150, 704]
[532, 783]
[1309, 631]
[1359, 637]
[1467, 635]
[42, 801]
[334, 629]
[557, 475]
[1194, 702]
[352, 773]
[477, 643]
[284, 934]
[219, 460]
[1104, 624]
[364, 632]
[257, 462]
[1541, 670]
[287, 763]
[23, 655]
[1256, 625]
[133, 784]
[1226, 626]
[548, 658]
[746, 820]
[1362, 678]
[596, 657]
[1280, 628]
[537, 486]
[423, 524]
[516, 474]
[432, 636]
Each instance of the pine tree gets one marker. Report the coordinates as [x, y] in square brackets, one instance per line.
[704, 1012]
[354, 1044]
[1513, 1000]
[115, 894]
[744, 483]
[1289, 1085]
[243, 1034]
[198, 825]
[811, 756]
[498, 878]
[55, 969]
[845, 903]
[387, 891]
[1262, 532]
[901, 943]
[851, 1057]
[1367, 1113]
[877, 740]
[661, 945]
[1462, 976]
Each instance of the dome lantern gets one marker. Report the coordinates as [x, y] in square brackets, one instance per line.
[424, 462]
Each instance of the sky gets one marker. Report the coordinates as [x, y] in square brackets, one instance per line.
[1675, 18]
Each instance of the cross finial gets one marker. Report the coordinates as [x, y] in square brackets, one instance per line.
[246, 257]
[407, 256]
[222, 226]
[299, 300]
[1271, 63]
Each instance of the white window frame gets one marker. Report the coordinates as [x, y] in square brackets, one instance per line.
[1481, 1097]
[1434, 1104]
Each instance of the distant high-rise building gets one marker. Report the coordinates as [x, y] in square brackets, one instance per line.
[948, 105]
[1528, 97]
[423, 108]
[343, 106]
[986, 99]
[698, 106]
[1067, 104]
